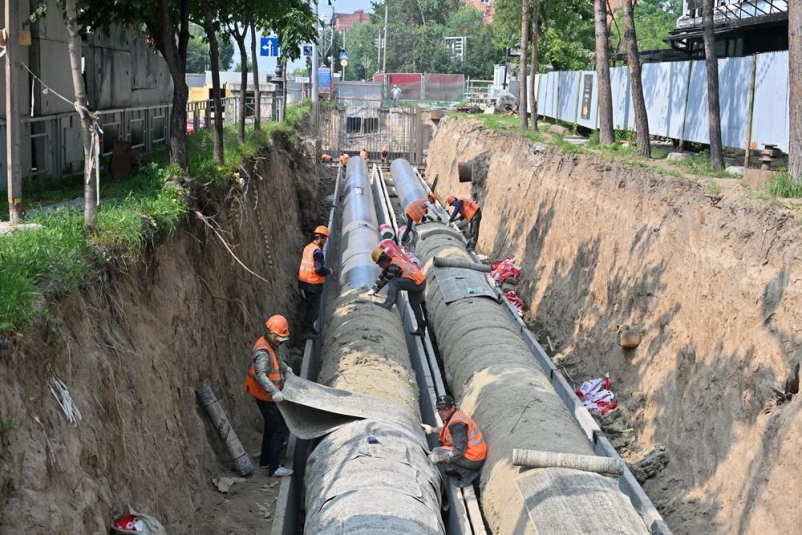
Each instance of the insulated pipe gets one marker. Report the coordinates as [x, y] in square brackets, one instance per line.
[407, 185]
[456, 263]
[370, 476]
[207, 399]
[496, 380]
[359, 228]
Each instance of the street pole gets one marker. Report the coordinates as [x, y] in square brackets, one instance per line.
[384, 56]
[379, 53]
[344, 48]
[315, 91]
[13, 125]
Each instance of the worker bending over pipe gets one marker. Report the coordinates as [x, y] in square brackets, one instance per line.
[463, 449]
[399, 274]
[417, 211]
[469, 211]
[311, 276]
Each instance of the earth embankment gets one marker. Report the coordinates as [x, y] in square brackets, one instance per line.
[712, 282]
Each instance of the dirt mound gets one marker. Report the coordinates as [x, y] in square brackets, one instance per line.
[713, 286]
[132, 348]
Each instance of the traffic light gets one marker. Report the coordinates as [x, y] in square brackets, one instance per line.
[308, 66]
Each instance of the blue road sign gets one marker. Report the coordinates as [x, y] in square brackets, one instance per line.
[343, 55]
[307, 50]
[268, 46]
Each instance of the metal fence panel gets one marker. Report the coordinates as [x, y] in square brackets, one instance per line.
[569, 87]
[588, 99]
[549, 94]
[734, 78]
[359, 91]
[444, 87]
[622, 99]
[697, 125]
[665, 86]
[770, 116]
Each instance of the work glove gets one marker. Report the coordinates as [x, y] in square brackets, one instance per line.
[434, 458]
[439, 219]
[278, 397]
[370, 293]
[428, 429]
[289, 371]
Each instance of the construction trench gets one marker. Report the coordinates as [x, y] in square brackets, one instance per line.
[710, 283]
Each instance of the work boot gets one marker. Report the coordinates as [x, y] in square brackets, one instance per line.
[281, 472]
[314, 331]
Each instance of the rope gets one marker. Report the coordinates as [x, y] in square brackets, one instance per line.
[94, 130]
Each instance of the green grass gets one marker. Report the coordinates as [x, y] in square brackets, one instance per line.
[783, 187]
[38, 265]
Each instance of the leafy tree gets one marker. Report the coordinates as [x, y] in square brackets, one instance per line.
[522, 117]
[654, 19]
[166, 23]
[605, 93]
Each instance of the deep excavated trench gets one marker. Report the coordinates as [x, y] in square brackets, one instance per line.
[713, 288]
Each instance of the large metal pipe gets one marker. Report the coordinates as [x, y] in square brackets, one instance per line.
[407, 185]
[370, 476]
[496, 380]
[359, 228]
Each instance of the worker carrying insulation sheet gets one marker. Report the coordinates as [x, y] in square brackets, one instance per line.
[311, 276]
[418, 211]
[400, 274]
[463, 449]
[264, 382]
[469, 211]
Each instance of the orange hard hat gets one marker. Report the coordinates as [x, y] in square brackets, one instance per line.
[278, 326]
[451, 199]
[432, 197]
[326, 158]
[322, 230]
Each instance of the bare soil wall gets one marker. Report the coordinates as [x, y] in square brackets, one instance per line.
[132, 348]
[713, 285]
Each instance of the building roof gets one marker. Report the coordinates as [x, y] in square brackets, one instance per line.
[346, 21]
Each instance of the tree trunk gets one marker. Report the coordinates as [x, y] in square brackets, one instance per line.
[214, 60]
[795, 66]
[240, 39]
[257, 99]
[74, 48]
[522, 122]
[713, 108]
[175, 54]
[639, 103]
[283, 107]
[533, 61]
[603, 74]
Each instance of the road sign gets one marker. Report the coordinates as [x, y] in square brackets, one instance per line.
[307, 50]
[343, 55]
[343, 63]
[268, 46]
[302, 79]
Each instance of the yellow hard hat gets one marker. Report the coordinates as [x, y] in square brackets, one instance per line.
[322, 230]
[376, 254]
[278, 326]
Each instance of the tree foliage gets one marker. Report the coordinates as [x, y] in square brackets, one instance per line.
[653, 20]
[198, 51]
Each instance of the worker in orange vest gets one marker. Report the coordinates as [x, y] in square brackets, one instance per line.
[469, 211]
[463, 449]
[311, 275]
[264, 382]
[417, 211]
[400, 274]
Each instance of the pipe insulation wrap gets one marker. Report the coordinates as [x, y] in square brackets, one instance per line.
[586, 463]
[456, 263]
[359, 228]
[407, 186]
[497, 381]
[371, 475]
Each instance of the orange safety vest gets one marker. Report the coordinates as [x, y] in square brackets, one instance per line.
[252, 386]
[307, 272]
[476, 449]
[417, 209]
[409, 270]
[469, 209]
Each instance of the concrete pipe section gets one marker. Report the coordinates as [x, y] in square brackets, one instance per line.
[495, 379]
[371, 475]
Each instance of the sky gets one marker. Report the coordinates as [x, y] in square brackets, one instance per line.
[268, 64]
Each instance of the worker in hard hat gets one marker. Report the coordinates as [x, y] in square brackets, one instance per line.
[400, 274]
[264, 382]
[462, 450]
[311, 275]
[470, 211]
[417, 211]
